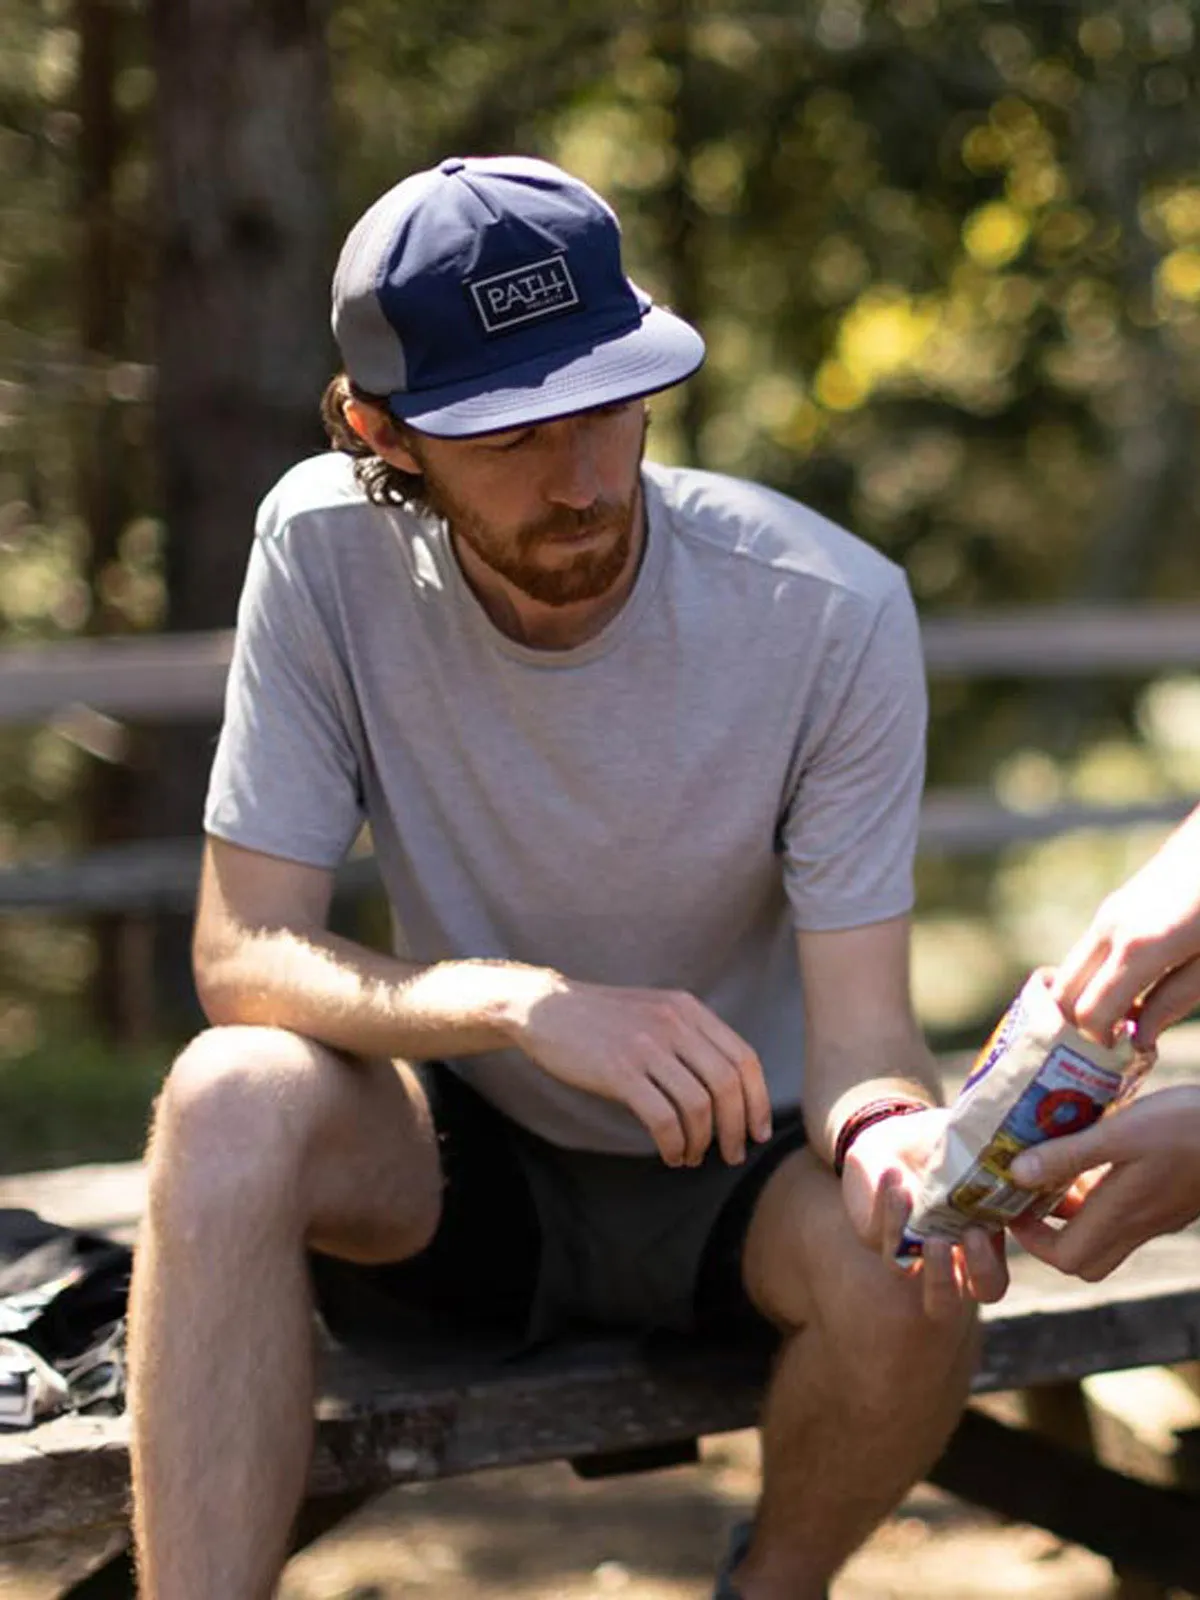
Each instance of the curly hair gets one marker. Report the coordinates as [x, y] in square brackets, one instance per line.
[382, 483]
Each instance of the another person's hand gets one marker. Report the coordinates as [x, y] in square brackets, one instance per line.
[1144, 941]
[684, 1073]
[879, 1183]
[1134, 1174]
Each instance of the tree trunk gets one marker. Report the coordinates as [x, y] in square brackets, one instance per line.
[103, 466]
[243, 348]
[682, 243]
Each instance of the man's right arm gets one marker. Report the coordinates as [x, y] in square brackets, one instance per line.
[263, 955]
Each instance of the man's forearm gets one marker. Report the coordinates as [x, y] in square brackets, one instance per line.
[344, 995]
[1186, 838]
[842, 1077]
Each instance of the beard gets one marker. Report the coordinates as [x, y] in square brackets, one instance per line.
[538, 558]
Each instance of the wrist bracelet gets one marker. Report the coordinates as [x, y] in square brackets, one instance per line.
[866, 1117]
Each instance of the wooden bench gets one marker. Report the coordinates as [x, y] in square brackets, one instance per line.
[387, 1417]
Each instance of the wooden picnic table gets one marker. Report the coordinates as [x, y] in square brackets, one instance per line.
[390, 1416]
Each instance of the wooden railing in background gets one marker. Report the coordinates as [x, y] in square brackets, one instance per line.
[88, 688]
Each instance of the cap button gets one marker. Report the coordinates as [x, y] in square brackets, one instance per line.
[451, 165]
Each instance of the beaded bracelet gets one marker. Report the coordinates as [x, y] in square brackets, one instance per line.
[866, 1117]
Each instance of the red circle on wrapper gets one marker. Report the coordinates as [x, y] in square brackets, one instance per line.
[1065, 1111]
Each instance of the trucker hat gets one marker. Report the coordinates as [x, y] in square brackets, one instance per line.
[488, 293]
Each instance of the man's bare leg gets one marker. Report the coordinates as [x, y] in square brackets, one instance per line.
[264, 1143]
[866, 1391]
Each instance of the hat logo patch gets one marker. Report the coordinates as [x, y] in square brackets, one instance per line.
[524, 294]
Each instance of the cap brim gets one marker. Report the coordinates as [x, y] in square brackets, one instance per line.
[660, 351]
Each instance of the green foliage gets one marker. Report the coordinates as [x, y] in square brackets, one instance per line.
[946, 254]
[74, 1099]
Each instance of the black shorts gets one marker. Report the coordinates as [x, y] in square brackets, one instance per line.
[536, 1240]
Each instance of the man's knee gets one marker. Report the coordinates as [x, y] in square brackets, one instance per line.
[806, 1268]
[887, 1352]
[234, 1113]
[233, 1084]
[262, 1123]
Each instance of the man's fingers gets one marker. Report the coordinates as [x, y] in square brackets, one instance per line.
[1036, 1237]
[1060, 1161]
[748, 1067]
[1108, 997]
[942, 1286]
[1087, 1247]
[889, 1207]
[895, 1206]
[1076, 970]
[691, 1098]
[1071, 1249]
[660, 1118]
[1169, 1000]
[722, 1083]
[987, 1268]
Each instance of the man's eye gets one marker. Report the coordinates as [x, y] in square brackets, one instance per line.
[514, 442]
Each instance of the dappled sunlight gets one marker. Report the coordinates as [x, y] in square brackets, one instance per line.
[960, 966]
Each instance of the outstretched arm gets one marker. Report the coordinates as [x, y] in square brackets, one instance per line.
[1144, 941]
[1136, 1173]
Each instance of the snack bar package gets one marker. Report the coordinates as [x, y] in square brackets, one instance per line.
[1037, 1078]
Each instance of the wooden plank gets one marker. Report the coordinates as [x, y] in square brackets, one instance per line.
[174, 677]
[161, 874]
[102, 1197]
[135, 879]
[1072, 641]
[385, 1420]
[143, 678]
[1147, 1529]
[972, 822]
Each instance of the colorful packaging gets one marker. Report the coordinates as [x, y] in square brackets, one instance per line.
[1037, 1078]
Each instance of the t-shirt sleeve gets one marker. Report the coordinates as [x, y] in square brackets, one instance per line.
[285, 779]
[849, 830]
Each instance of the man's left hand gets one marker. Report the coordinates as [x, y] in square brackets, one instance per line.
[879, 1184]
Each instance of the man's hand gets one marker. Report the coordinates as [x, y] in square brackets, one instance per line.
[1144, 941]
[683, 1072]
[1134, 1174]
[879, 1184]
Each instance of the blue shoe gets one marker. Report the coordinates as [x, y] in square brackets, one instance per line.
[739, 1543]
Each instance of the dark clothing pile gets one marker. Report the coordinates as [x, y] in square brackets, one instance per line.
[63, 1298]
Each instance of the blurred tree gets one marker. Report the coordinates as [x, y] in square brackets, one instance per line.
[241, 245]
[105, 465]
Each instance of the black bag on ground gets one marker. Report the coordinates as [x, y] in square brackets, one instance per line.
[63, 1297]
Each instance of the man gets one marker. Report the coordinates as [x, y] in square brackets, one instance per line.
[1136, 1173]
[632, 743]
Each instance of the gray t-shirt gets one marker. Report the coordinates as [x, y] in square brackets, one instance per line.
[739, 753]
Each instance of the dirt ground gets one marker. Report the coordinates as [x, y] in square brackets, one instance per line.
[539, 1533]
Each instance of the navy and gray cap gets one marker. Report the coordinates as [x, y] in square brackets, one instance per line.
[488, 293]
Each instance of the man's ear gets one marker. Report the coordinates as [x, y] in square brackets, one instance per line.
[379, 431]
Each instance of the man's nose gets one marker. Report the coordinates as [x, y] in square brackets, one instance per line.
[573, 478]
